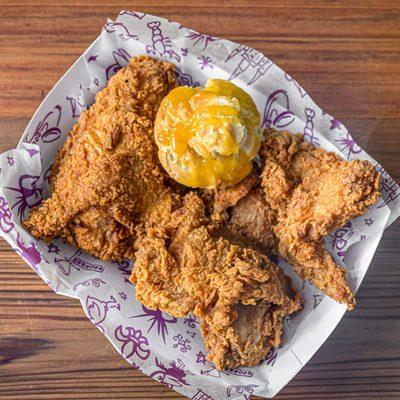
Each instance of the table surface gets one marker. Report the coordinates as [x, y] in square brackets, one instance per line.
[347, 56]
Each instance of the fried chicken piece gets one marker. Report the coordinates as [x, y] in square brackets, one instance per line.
[307, 192]
[224, 198]
[313, 192]
[219, 200]
[239, 295]
[106, 178]
[250, 222]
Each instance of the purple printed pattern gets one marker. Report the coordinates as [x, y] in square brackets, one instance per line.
[160, 45]
[97, 310]
[339, 239]
[369, 221]
[317, 299]
[157, 319]
[335, 124]
[47, 175]
[185, 79]
[272, 114]
[271, 357]
[213, 372]
[390, 190]
[47, 130]
[348, 145]
[182, 344]
[93, 58]
[52, 248]
[205, 62]
[239, 372]
[10, 161]
[31, 152]
[250, 61]
[96, 282]
[125, 268]
[138, 15]
[191, 321]
[30, 253]
[245, 390]
[301, 91]
[133, 342]
[200, 38]
[201, 395]
[309, 127]
[29, 195]
[192, 334]
[124, 34]
[171, 376]
[77, 107]
[121, 58]
[6, 224]
[75, 261]
[201, 358]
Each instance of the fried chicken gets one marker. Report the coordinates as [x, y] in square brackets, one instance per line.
[219, 200]
[106, 178]
[239, 295]
[250, 221]
[202, 252]
[307, 192]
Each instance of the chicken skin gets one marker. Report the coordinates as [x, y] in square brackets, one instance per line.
[106, 178]
[306, 193]
[239, 295]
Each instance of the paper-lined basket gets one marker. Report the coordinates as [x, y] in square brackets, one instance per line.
[168, 349]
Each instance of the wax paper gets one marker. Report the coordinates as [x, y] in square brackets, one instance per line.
[170, 350]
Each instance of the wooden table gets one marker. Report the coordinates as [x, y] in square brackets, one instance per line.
[346, 54]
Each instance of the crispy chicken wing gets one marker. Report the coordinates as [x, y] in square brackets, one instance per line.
[106, 178]
[307, 193]
[312, 192]
[239, 295]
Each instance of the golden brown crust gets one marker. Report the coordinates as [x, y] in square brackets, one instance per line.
[223, 198]
[182, 268]
[312, 192]
[106, 177]
[307, 192]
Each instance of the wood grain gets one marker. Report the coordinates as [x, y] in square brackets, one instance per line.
[345, 53]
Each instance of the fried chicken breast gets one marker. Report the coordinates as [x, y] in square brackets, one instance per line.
[106, 178]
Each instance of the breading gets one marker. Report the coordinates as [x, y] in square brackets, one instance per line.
[239, 295]
[106, 178]
[307, 193]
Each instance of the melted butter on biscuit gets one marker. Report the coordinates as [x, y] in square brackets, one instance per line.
[207, 137]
